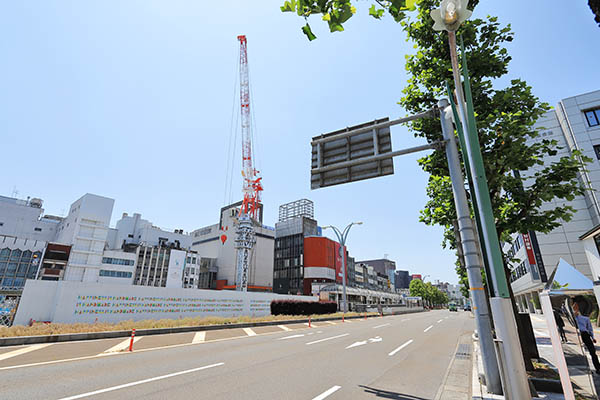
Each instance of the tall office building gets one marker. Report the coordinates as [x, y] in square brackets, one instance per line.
[575, 125]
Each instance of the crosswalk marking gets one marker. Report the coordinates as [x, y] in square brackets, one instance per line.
[199, 337]
[249, 332]
[24, 350]
[122, 345]
[285, 328]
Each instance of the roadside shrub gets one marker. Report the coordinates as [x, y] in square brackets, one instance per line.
[298, 307]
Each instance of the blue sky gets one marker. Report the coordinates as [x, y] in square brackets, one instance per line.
[133, 100]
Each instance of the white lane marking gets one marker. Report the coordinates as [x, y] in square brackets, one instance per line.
[375, 339]
[356, 344]
[157, 378]
[124, 345]
[404, 320]
[24, 350]
[285, 328]
[536, 331]
[291, 337]
[329, 338]
[326, 393]
[380, 326]
[430, 326]
[319, 331]
[199, 337]
[440, 320]
[331, 322]
[311, 324]
[249, 331]
[400, 348]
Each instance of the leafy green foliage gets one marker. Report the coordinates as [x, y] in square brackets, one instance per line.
[505, 119]
[519, 180]
[337, 12]
[427, 292]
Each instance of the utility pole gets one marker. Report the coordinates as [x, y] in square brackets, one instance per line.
[470, 253]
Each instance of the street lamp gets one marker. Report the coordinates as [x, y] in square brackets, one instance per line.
[449, 17]
[342, 235]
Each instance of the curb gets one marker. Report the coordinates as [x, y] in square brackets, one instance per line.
[70, 337]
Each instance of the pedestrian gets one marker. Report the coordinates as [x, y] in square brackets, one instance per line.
[561, 325]
[587, 334]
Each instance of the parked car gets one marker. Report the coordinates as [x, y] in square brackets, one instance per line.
[452, 307]
[467, 307]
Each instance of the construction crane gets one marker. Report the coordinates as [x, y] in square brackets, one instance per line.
[252, 185]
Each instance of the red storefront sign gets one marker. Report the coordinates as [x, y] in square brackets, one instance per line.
[529, 248]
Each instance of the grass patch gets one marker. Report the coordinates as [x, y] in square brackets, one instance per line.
[543, 371]
[42, 329]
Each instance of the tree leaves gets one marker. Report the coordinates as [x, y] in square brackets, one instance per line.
[308, 32]
[375, 12]
[337, 12]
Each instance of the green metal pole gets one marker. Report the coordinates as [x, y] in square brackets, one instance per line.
[483, 195]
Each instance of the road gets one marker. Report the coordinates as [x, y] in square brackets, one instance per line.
[394, 357]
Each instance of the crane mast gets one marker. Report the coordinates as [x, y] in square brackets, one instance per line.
[252, 186]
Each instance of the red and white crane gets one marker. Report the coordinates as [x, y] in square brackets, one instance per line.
[252, 186]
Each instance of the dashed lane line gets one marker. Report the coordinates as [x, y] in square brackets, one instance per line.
[381, 326]
[291, 337]
[121, 346]
[199, 337]
[430, 326]
[397, 349]
[440, 320]
[328, 392]
[329, 338]
[283, 327]
[249, 331]
[126, 385]
[24, 350]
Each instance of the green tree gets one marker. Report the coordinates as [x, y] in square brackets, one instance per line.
[417, 288]
[505, 118]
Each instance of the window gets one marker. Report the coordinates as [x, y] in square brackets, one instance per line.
[597, 151]
[116, 261]
[593, 117]
[37, 229]
[115, 274]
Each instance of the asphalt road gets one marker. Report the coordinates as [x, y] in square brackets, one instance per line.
[395, 357]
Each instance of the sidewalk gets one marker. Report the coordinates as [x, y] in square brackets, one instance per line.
[479, 391]
[457, 382]
[578, 363]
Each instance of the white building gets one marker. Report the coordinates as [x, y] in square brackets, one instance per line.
[86, 228]
[218, 242]
[575, 125]
[25, 219]
[134, 229]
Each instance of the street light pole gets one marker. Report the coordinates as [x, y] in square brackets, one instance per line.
[342, 240]
[516, 386]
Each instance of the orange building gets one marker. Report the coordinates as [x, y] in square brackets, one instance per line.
[322, 262]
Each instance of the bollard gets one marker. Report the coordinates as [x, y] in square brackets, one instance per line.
[382, 314]
[365, 315]
[131, 341]
[309, 321]
[343, 317]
